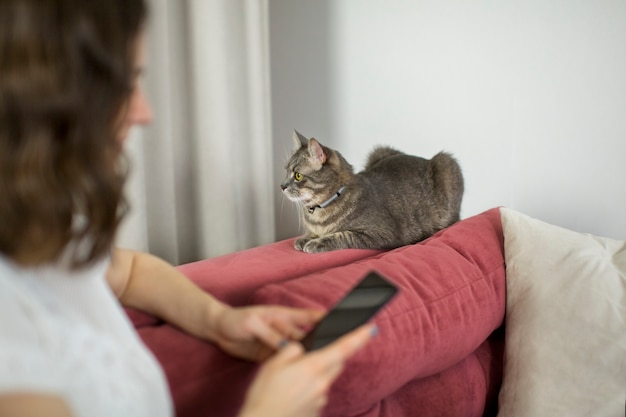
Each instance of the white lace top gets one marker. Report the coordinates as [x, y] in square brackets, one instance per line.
[64, 333]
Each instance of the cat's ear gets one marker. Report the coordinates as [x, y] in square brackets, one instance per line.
[317, 154]
[299, 141]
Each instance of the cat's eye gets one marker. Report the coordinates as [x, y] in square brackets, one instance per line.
[297, 176]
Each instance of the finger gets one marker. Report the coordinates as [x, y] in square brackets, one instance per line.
[289, 353]
[299, 316]
[289, 330]
[264, 332]
[293, 323]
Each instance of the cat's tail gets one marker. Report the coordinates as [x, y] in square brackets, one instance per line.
[379, 153]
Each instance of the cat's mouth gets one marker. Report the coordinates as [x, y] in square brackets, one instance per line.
[296, 197]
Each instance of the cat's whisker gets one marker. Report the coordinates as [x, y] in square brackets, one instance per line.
[282, 204]
[300, 209]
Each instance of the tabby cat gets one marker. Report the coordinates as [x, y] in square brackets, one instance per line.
[398, 199]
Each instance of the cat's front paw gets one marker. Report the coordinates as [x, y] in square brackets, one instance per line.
[301, 243]
[317, 246]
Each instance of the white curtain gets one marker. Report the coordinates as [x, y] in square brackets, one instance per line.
[201, 184]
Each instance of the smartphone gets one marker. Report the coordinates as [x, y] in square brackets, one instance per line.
[361, 303]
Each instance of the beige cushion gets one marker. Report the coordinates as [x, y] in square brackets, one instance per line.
[565, 349]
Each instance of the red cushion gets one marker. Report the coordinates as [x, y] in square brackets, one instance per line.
[234, 277]
[460, 390]
[452, 298]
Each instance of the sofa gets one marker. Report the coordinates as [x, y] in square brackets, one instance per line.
[441, 348]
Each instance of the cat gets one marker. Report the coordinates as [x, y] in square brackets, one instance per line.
[396, 200]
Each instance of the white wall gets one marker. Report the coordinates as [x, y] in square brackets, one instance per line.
[529, 95]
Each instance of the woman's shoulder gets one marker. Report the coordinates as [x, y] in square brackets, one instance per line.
[34, 298]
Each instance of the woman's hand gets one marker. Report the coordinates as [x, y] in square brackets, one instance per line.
[295, 384]
[255, 332]
[147, 283]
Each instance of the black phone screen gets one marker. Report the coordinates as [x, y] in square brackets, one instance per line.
[355, 309]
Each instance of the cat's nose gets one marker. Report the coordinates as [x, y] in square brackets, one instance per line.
[282, 187]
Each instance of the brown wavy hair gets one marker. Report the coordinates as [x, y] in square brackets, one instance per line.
[66, 74]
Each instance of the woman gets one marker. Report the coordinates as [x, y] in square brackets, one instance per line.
[69, 93]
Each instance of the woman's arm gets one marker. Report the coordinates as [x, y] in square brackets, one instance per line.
[147, 283]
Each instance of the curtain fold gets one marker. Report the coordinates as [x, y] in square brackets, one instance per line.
[202, 173]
